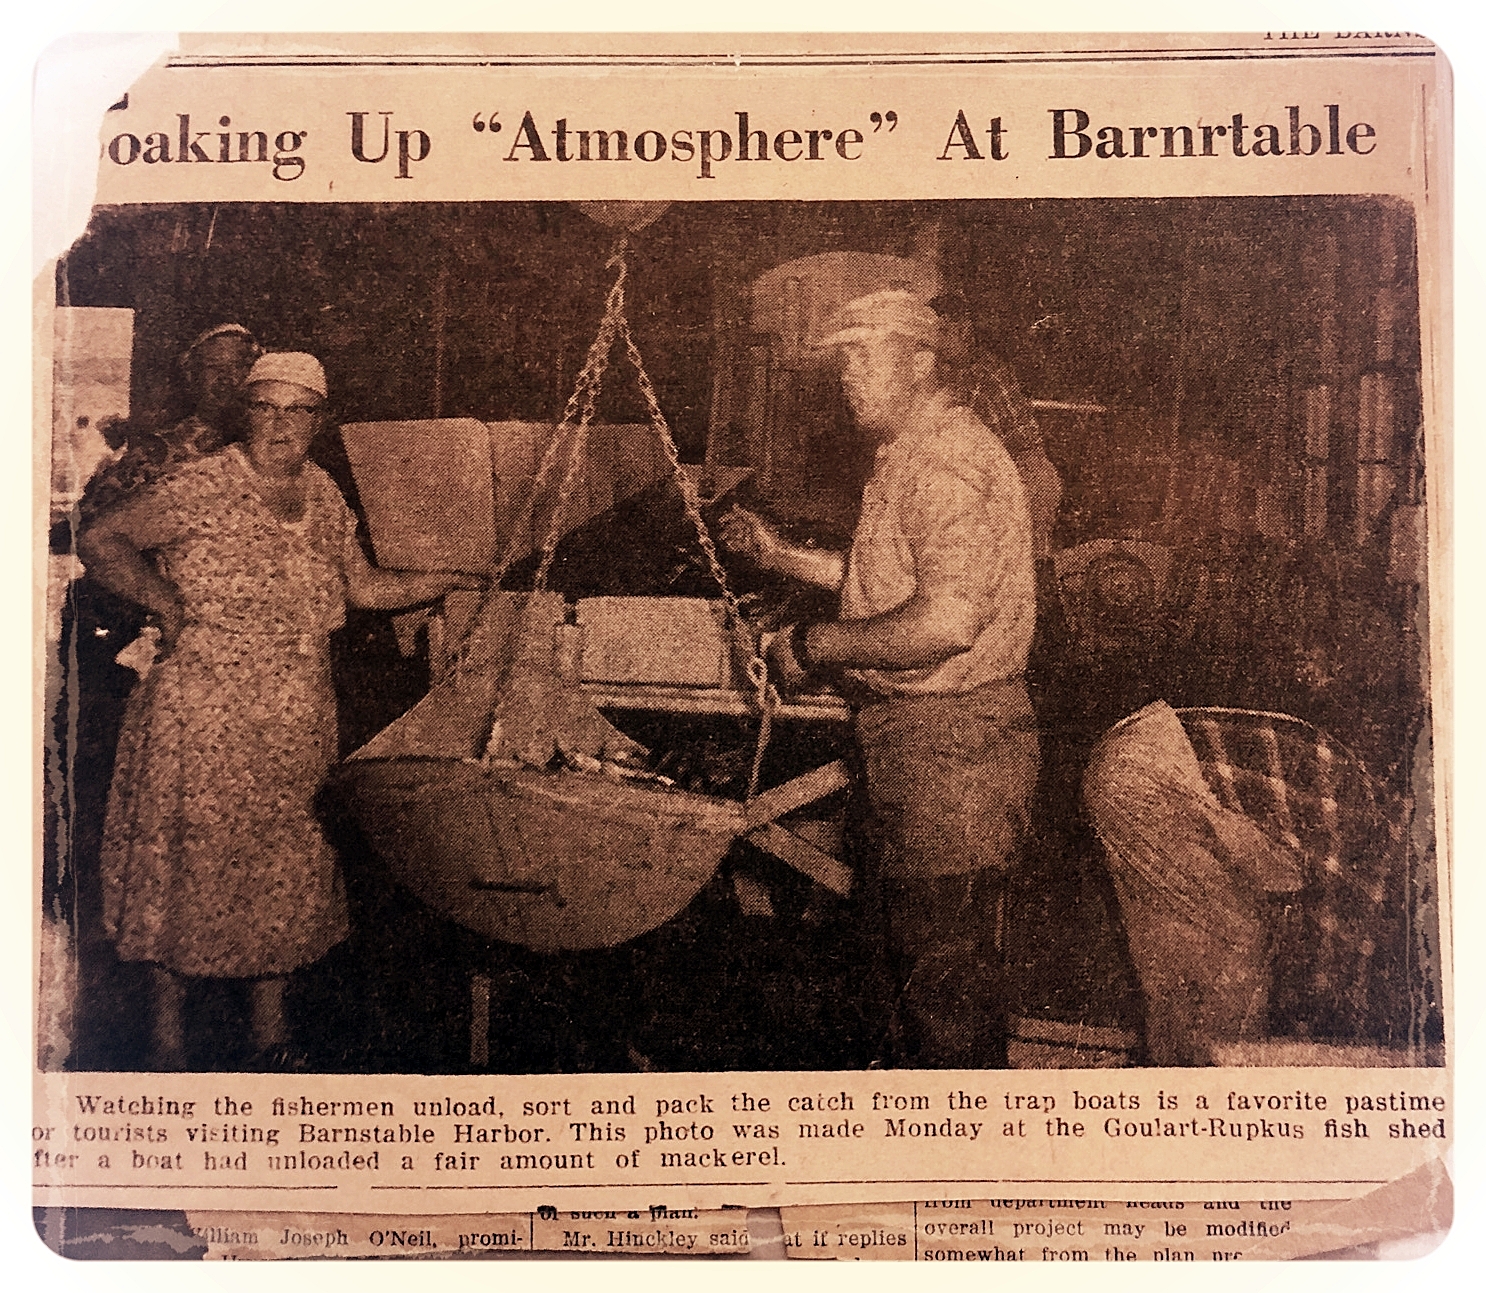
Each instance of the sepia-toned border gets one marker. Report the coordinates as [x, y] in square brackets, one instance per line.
[1436, 459]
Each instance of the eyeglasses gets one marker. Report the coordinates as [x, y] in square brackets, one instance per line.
[301, 413]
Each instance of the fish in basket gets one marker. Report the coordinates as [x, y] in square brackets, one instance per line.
[505, 800]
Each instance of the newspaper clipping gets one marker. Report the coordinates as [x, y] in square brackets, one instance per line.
[810, 647]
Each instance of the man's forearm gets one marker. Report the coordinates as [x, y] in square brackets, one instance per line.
[819, 566]
[919, 634]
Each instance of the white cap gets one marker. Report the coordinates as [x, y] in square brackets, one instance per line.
[891, 312]
[221, 330]
[292, 366]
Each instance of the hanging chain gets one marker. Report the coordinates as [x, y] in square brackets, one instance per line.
[590, 380]
[580, 405]
[765, 694]
[577, 416]
[766, 697]
[464, 652]
[684, 483]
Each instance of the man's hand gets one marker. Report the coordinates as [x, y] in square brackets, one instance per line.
[753, 537]
[785, 670]
[749, 535]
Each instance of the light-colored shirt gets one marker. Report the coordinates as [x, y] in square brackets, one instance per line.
[945, 512]
[995, 396]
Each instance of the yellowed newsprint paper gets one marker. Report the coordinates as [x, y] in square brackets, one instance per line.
[807, 647]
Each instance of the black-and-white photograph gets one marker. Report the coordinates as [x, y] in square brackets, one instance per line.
[612, 637]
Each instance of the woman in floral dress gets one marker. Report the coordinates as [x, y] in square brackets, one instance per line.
[213, 862]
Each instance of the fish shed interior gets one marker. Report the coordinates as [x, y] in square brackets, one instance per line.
[1233, 383]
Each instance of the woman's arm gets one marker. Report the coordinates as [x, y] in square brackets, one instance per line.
[391, 590]
[114, 556]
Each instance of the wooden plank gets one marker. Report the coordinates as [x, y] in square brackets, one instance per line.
[796, 793]
[621, 460]
[671, 641]
[817, 707]
[817, 864]
[426, 488]
[513, 449]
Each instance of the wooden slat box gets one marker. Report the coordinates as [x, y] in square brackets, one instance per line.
[682, 641]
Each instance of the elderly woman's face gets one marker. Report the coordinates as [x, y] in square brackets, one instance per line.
[282, 421]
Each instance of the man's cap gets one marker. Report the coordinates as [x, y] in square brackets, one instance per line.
[292, 366]
[891, 312]
[221, 330]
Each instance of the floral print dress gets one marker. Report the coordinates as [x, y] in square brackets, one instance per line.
[213, 862]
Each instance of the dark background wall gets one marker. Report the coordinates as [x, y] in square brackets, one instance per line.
[1205, 315]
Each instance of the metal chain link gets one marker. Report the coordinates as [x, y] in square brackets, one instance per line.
[684, 483]
[765, 695]
[585, 395]
[590, 381]
[583, 403]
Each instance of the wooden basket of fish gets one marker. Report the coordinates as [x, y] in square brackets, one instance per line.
[548, 860]
[508, 803]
